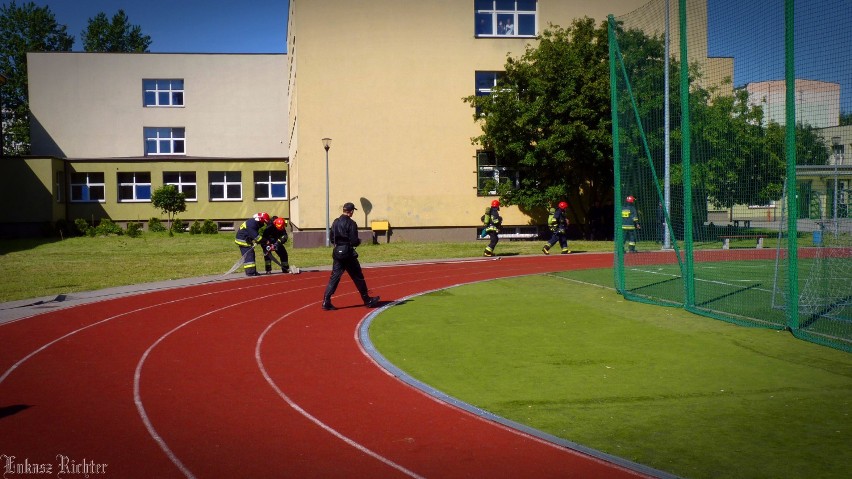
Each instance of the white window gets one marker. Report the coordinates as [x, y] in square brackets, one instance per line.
[225, 185]
[489, 174]
[270, 185]
[87, 187]
[165, 141]
[184, 181]
[162, 93]
[134, 186]
[485, 84]
[506, 18]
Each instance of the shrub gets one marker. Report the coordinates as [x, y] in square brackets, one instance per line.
[155, 225]
[178, 226]
[106, 227]
[134, 229]
[209, 227]
[195, 228]
[82, 226]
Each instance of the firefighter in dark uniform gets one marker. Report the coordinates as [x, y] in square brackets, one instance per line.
[247, 235]
[558, 223]
[344, 236]
[273, 239]
[630, 223]
[493, 221]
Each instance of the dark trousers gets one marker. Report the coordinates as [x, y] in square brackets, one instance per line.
[351, 266]
[494, 240]
[562, 238]
[247, 252]
[282, 253]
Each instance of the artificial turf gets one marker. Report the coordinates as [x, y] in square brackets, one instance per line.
[686, 394]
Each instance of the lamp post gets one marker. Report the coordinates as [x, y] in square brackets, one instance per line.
[326, 143]
[835, 146]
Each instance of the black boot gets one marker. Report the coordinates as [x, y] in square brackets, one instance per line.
[327, 306]
[371, 302]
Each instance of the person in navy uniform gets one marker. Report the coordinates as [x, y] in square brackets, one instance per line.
[630, 223]
[247, 235]
[344, 237]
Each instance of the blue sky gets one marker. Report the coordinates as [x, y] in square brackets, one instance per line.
[186, 26]
[752, 31]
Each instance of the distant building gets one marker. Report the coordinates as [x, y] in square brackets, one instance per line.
[817, 102]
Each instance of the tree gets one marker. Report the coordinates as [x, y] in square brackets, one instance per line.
[25, 28]
[549, 119]
[118, 36]
[170, 201]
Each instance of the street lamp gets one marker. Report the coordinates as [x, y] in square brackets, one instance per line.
[326, 143]
[836, 153]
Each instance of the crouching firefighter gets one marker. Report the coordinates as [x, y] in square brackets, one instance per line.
[273, 239]
[247, 235]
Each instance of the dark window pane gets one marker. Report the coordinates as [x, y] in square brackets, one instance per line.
[217, 191]
[163, 97]
[177, 98]
[505, 25]
[149, 84]
[150, 99]
[96, 192]
[96, 177]
[125, 192]
[150, 147]
[505, 4]
[189, 191]
[171, 177]
[216, 176]
[483, 4]
[179, 146]
[483, 24]
[233, 191]
[526, 24]
[188, 176]
[279, 176]
[165, 146]
[143, 177]
[260, 176]
[279, 191]
[526, 5]
[125, 177]
[76, 192]
[261, 190]
[143, 192]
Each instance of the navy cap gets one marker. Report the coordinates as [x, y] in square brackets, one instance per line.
[349, 207]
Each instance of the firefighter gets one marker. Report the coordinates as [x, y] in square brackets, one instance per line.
[344, 236]
[492, 221]
[630, 223]
[273, 239]
[558, 223]
[247, 235]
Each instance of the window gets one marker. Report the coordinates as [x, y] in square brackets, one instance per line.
[87, 187]
[485, 83]
[162, 93]
[165, 141]
[225, 185]
[134, 186]
[489, 174]
[506, 18]
[270, 185]
[184, 181]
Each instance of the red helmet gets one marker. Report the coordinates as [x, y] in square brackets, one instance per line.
[630, 199]
[262, 217]
[280, 223]
[495, 204]
[563, 205]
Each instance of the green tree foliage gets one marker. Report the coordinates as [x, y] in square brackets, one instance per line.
[117, 36]
[549, 119]
[24, 28]
[170, 201]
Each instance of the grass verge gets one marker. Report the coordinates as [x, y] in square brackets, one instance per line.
[692, 396]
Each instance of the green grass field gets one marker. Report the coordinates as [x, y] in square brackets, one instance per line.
[682, 393]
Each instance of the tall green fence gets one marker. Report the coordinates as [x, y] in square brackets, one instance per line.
[732, 129]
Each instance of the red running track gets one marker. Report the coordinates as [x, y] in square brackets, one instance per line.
[250, 378]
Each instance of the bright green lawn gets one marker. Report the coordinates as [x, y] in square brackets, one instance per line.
[689, 395]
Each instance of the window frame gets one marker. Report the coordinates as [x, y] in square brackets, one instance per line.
[489, 15]
[88, 184]
[488, 169]
[170, 89]
[270, 183]
[135, 182]
[182, 184]
[226, 183]
[174, 137]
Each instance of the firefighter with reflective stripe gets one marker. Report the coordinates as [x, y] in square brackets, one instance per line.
[273, 238]
[247, 235]
[492, 221]
[558, 223]
[630, 223]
